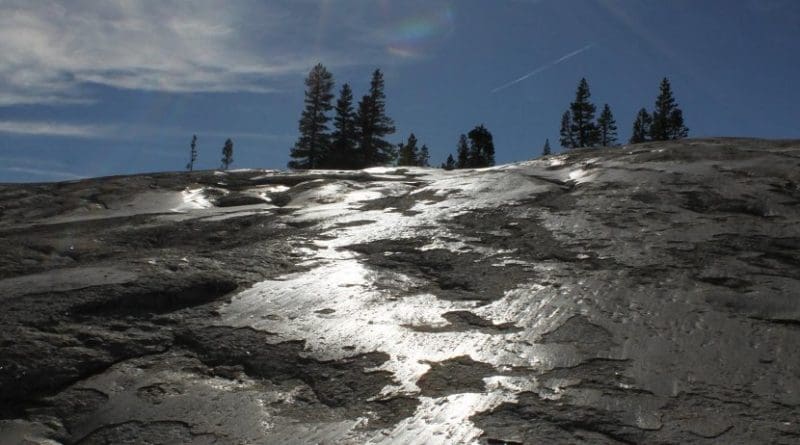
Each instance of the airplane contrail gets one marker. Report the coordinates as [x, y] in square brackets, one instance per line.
[545, 67]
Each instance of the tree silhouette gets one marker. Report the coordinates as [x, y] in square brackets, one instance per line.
[582, 112]
[462, 151]
[227, 154]
[567, 139]
[408, 153]
[667, 117]
[192, 153]
[641, 127]
[607, 127]
[342, 152]
[546, 149]
[314, 141]
[450, 163]
[373, 125]
[677, 129]
[481, 149]
[424, 156]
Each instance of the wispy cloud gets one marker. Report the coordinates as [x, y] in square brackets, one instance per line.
[49, 174]
[546, 67]
[34, 128]
[124, 131]
[51, 50]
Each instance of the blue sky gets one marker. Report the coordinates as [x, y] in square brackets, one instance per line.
[102, 87]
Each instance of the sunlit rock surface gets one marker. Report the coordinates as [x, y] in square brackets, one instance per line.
[645, 294]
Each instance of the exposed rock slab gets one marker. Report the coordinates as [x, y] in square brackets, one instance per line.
[643, 294]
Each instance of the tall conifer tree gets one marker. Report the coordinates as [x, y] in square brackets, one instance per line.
[567, 139]
[641, 127]
[192, 153]
[481, 149]
[546, 151]
[424, 156]
[462, 152]
[450, 163]
[677, 129]
[227, 154]
[374, 125]
[408, 153]
[607, 127]
[667, 117]
[582, 112]
[313, 144]
[342, 152]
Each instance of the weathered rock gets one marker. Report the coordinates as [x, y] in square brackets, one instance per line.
[643, 294]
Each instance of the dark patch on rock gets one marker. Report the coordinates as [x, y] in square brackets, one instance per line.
[646, 197]
[466, 276]
[280, 199]
[596, 373]
[535, 420]
[34, 363]
[193, 291]
[356, 223]
[404, 202]
[571, 417]
[158, 432]
[346, 383]
[239, 199]
[157, 392]
[729, 282]
[467, 321]
[71, 404]
[453, 376]
[583, 334]
[710, 202]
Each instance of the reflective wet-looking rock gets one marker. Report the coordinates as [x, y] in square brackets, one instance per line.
[644, 294]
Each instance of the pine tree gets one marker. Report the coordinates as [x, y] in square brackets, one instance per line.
[314, 142]
[463, 152]
[192, 153]
[342, 152]
[567, 136]
[227, 154]
[546, 151]
[677, 130]
[582, 114]
[481, 149]
[607, 127]
[374, 125]
[450, 163]
[641, 127]
[408, 153]
[667, 117]
[424, 156]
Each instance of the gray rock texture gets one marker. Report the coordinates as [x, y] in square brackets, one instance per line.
[641, 294]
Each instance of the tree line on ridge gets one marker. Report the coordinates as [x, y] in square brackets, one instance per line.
[358, 136]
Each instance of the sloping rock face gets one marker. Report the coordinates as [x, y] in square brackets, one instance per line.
[644, 294]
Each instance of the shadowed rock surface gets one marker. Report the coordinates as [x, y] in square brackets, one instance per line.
[644, 294]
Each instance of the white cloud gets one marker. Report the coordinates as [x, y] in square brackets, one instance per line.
[34, 128]
[51, 174]
[50, 49]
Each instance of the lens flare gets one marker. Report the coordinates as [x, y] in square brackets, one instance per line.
[416, 36]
